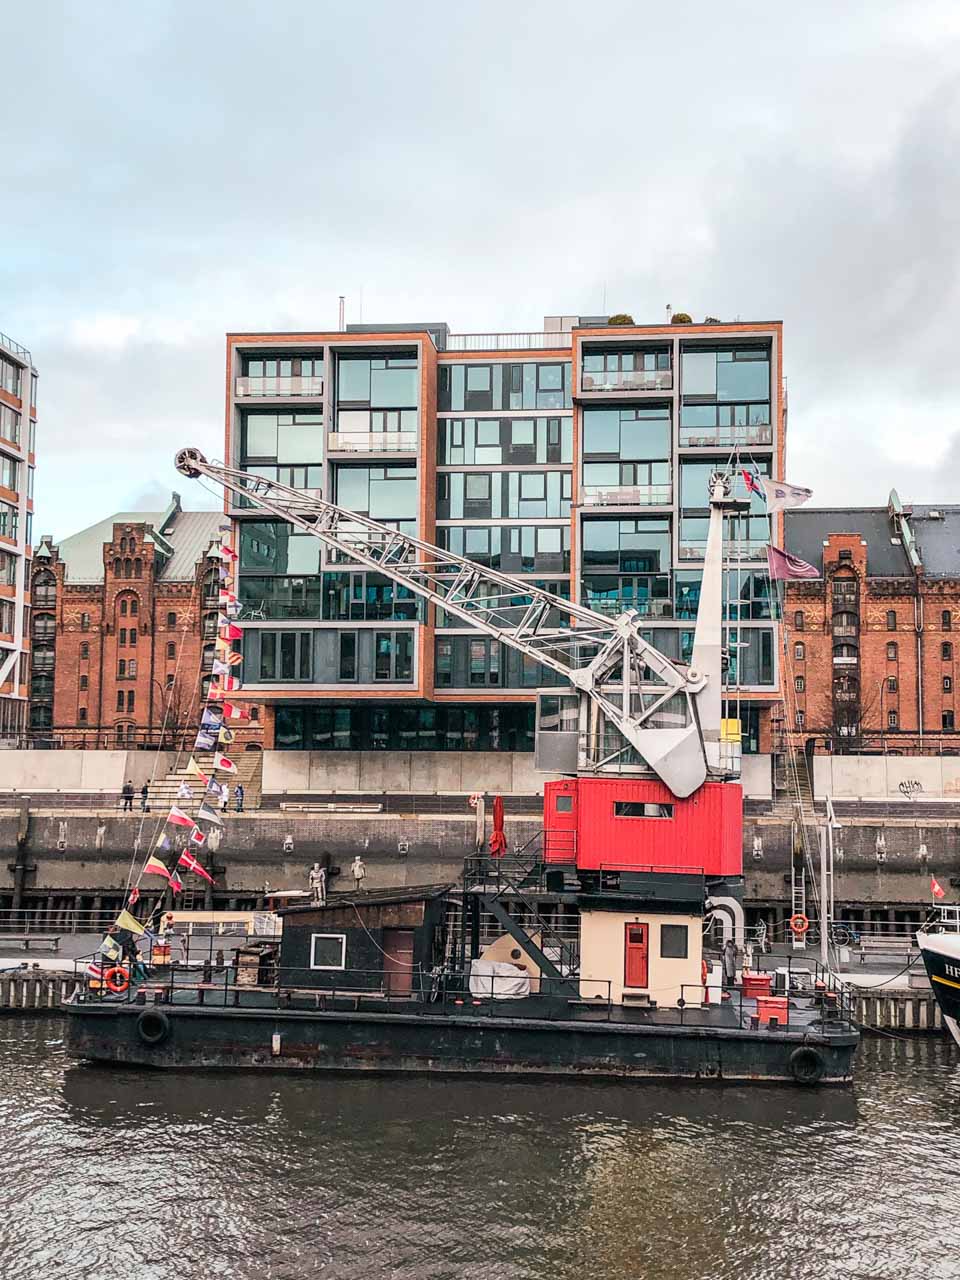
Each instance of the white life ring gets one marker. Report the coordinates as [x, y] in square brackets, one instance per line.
[475, 799]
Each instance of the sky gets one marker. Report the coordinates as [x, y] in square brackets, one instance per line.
[172, 171]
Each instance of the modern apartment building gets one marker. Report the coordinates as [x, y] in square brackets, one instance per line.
[577, 457]
[18, 433]
[873, 653]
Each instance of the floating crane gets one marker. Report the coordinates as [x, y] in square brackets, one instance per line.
[666, 715]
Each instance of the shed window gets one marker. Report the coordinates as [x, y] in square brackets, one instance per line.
[638, 809]
[674, 940]
[564, 804]
[328, 950]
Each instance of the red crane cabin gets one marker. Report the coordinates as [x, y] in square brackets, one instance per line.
[618, 824]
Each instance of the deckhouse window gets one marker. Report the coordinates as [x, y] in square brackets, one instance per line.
[673, 941]
[328, 950]
[639, 809]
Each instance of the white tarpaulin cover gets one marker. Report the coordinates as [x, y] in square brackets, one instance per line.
[497, 978]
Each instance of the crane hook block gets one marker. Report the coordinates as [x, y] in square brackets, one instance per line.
[186, 461]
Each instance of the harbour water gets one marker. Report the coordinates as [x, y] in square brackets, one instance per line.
[158, 1176]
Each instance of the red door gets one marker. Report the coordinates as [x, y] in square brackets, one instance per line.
[560, 823]
[398, 961]
[635, 955]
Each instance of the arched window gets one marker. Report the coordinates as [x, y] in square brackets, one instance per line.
[82, 715]
[798, 620]
[892, 720]
[123, 608]
[123, 544]
[133, 544]
[44, 626]
[84, 622]
[128, 568]
[133, 635]
[134, 607]
[84, 681]
[119, 708]
[799, 684]
[132, 667]
[946, 620]
[946, 651]
[117, 568]
[123, 637]
[171, 621]
[892, 651]
[121, 668]
[85, 650]
[891, 619]
[171, 652]
[131, 699]
[138, 568]
[798, 651]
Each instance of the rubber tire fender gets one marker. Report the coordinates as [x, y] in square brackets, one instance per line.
[153, 1026]
[807, 1065]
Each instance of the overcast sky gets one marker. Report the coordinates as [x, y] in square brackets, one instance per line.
[174, 170]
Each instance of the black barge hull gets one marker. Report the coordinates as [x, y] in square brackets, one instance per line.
[172, 1036]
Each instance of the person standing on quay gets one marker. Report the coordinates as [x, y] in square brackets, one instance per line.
[358, 871]
[144, 797]
[126, 792]
[238, 796]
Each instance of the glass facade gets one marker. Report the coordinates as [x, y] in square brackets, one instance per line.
[498, 441]
[345, 726]
[377, 393]
[530, 385]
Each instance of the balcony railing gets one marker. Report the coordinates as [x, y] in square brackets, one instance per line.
[712, 437]
[842, 661]
[646, 608]
[845, 631]
[280, 388]
[637, 495]
[627, 380]
[507, 341]
[15, 348]
[695, 550]
[372, 442]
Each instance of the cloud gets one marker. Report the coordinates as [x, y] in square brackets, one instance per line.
[488, 166]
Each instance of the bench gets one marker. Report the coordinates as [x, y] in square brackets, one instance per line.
[27, 940]
[887, 944]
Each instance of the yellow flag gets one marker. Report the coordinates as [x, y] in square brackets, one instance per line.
[195, 771]
[126, 921]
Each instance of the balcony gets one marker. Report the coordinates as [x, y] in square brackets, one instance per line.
[280, 388]
[372, 442]
[845, 661]
[724, 437]
[646, 608]
[691, 549]
[626, 380]
[643, 495]
[846, 632]
[508, 341]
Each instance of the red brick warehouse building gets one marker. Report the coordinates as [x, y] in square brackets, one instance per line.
[123, 628]
[871, 659]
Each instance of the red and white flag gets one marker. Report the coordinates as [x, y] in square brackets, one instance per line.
[228, 630]
[179, 818]
[176, 884]
[227, 552]
[225, 764]
[191, 864]
[226, 597]
[232, 712]
[134, 897]
[197, 837]
[936, 889]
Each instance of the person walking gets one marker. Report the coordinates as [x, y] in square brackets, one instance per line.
[144, 797]
[224, 797]
[126, 792]
[238, 793]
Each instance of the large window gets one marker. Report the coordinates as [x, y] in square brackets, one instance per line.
[286, 655]
[9, 520]
[626, 369]
[642, 433]
[388, 494]
[613, 594]
[747, 596]
[9, 472]
[629, 546]
[515, 549]
[530, 385]
[521, 495]
[393, 655]
[367, 597]
[284, 366]
[393, 726]
[9, 424]
[377, 394]
[726, 397]
[328, 950]
[10, 376]
[286, 447]
[276, 547]
[500, 441]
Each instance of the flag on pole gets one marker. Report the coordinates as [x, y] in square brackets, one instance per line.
[94, 970]
[226, 736]
[223, 573]
[209, 815]
[195, 771]
[226, 596]
[191, 864]
[134, 897]
[232, 712]
[781, 496]
[782, 565]
[197, 837]
[154, 867]
[220, 668]
[936, 889]
[225, 764]
[176, 884]
[206, 740]
[126, 921]
[752, 483]
[109, 947]
[179, 818]
[227, 552]
[163, 842]
[228, 630]
[212, 718]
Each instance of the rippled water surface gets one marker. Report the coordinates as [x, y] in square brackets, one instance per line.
[127, 1173]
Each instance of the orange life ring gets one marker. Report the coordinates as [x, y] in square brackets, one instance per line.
[799, 924]
[117, 980]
